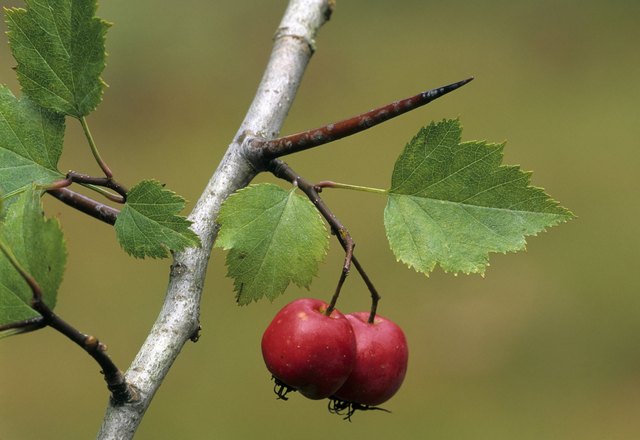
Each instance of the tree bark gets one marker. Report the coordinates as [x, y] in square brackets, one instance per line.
[178, 320]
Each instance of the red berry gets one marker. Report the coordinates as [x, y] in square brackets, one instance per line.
[307, 350]
[381, 361]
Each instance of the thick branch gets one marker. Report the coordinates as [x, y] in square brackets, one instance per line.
[178, 320]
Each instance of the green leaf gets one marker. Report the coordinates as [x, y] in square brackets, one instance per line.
[59, 46]
[274, 237]
[38, 245]
[148, 225]
[452, 203]
[30, 143]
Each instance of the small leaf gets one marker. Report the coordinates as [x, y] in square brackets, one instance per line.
[59, 46]
[274, 237]
[30, 143]
[38, 245]
[452, 203]
[148, 225]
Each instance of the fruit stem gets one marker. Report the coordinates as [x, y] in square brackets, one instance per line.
[283, 171]
[374, 307]
[343, 276]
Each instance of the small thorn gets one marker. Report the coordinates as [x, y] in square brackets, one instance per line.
[195, 336]
[440, 91]
[460, 83]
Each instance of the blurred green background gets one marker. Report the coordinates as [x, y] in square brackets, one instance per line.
[546, 346]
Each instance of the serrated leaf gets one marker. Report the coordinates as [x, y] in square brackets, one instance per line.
[274, 237]
[452, 203]
[148, 225]
[59, 47]
[30, 143]
[38, 245]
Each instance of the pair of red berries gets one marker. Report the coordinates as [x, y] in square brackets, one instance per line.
[343, 357]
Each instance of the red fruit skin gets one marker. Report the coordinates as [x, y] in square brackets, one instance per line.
[381, 361]
[307, 350]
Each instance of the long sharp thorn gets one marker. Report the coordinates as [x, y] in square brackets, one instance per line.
[331, 132]
[432, 94]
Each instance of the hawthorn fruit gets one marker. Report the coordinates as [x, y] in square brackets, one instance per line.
[309, 351]
[381, 361]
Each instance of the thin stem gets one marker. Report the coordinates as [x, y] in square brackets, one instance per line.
[117, 198]
[329, 184]
[85, 204]
[281, 170]
[106, 182]
[93, 183]
[62, 183]
[336, 293]
[33, 285]
[349, 244]
[121, 392]
[375, 296]
[27, 325]
[297, 142]
[94, 149]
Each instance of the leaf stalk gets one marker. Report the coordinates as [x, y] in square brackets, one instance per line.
[94, 149]
[330, 184]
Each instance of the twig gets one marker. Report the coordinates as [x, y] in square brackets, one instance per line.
[107, 182]
[269, 149]
[94, 183]
[120, 390]
[85, 204]
[27, 325]
[283, 171]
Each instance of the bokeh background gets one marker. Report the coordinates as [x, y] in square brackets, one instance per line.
[546, 346]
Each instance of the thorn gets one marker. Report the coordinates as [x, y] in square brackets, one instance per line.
[441, 91]
[195, 336]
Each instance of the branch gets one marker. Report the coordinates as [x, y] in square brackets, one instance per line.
[120, 390]
[85, 204]
[178, 320]
[107, 182]
[25, 326]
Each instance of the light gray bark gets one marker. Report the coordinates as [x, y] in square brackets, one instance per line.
[179, 317]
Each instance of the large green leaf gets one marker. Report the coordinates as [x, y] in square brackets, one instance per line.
[452, 203]
[38, 245]
[59, 46]
[30, 143]
[148, 225]
[274, 237]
